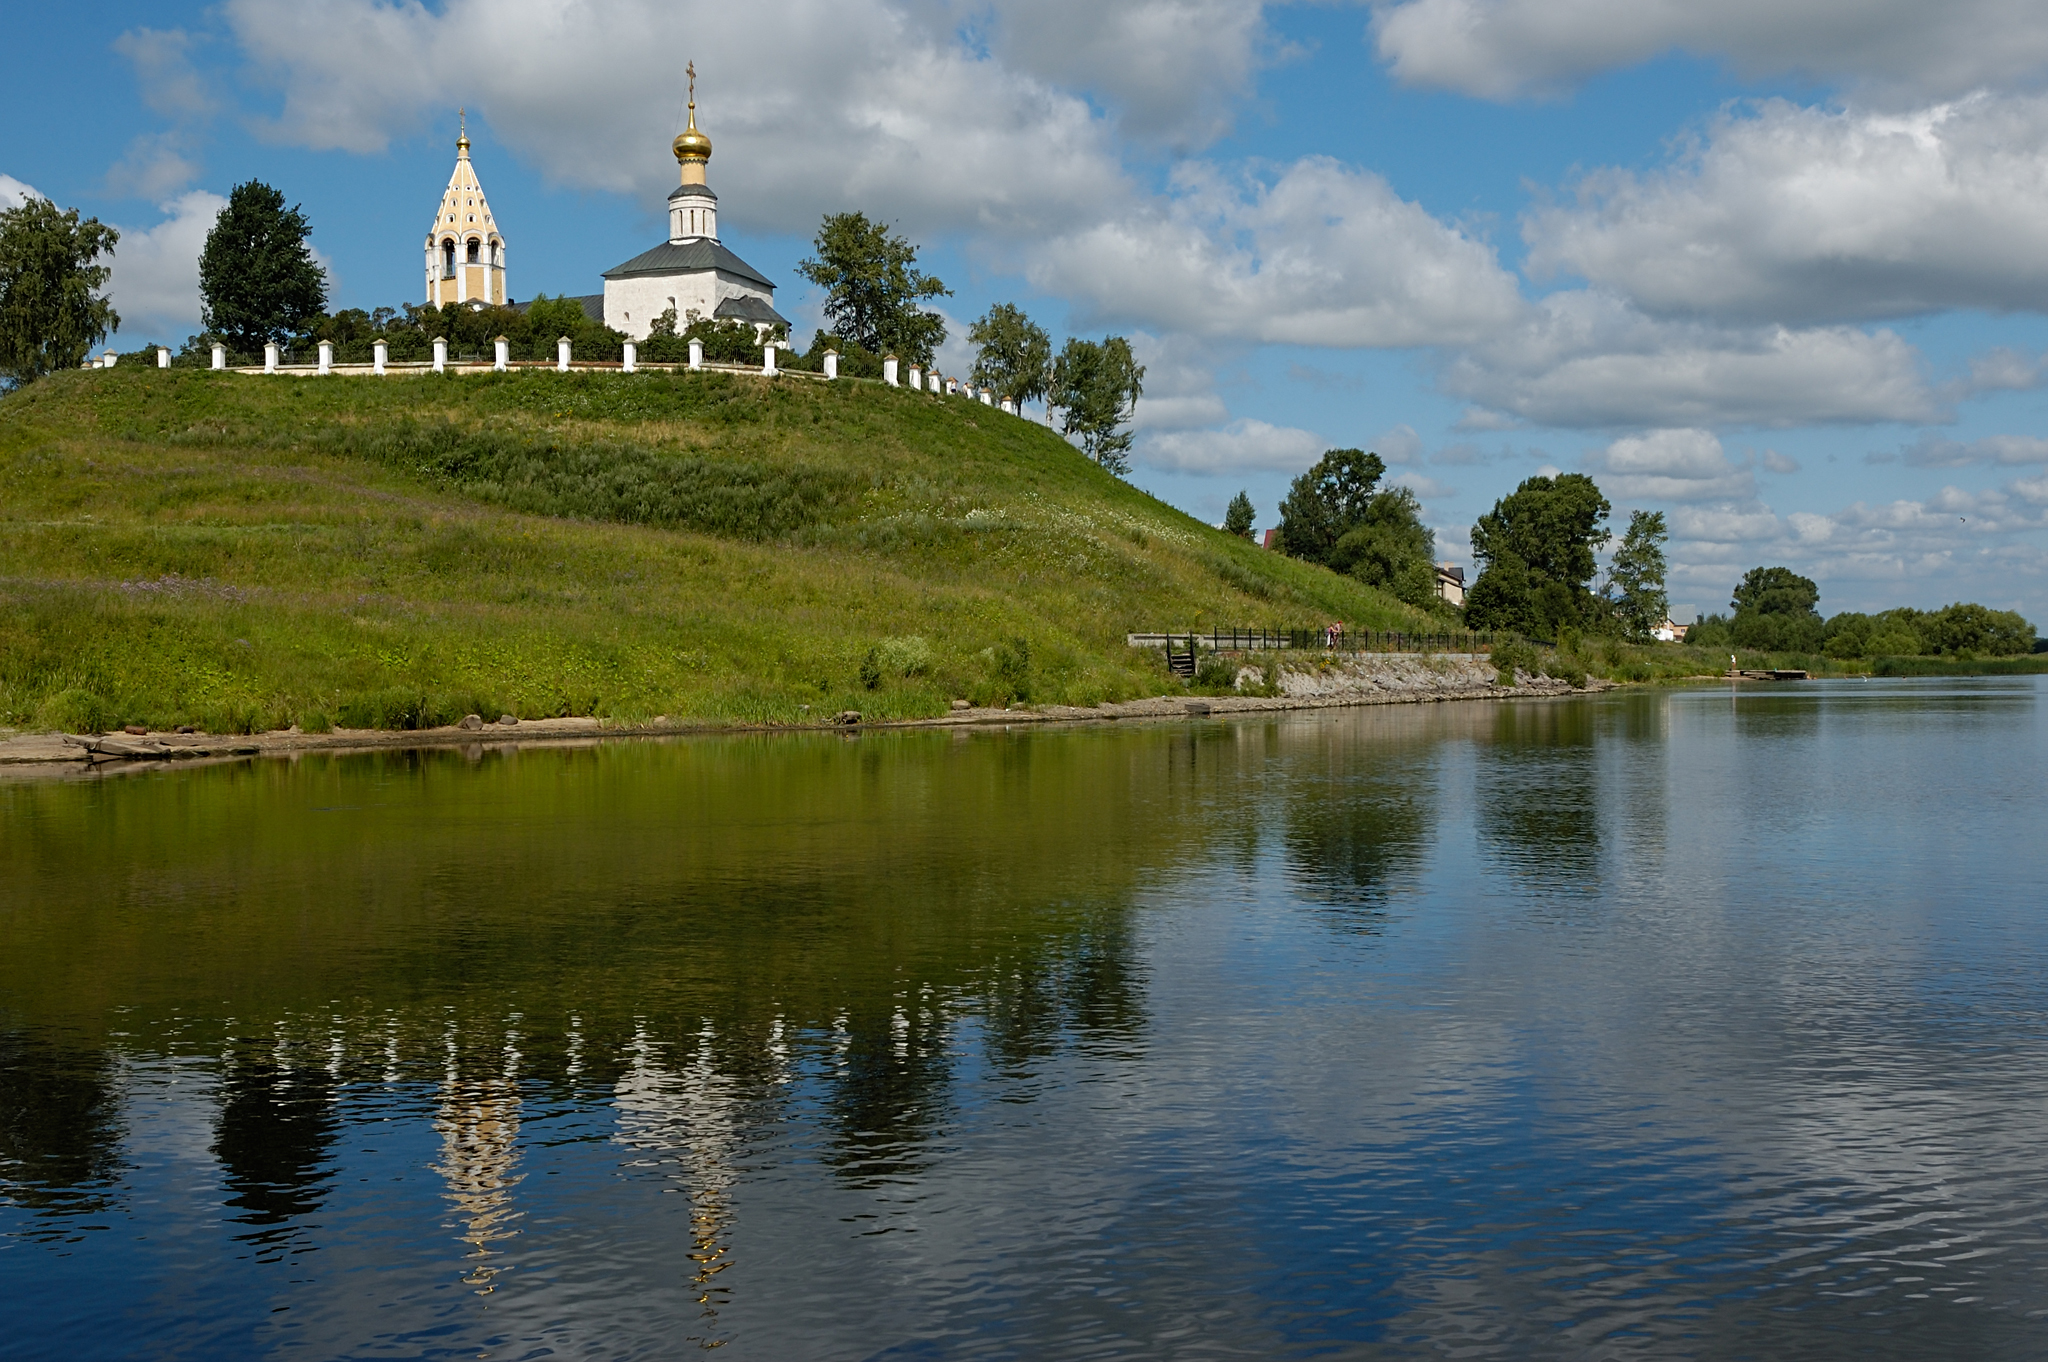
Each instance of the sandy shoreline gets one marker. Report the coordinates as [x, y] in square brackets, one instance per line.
[1373, 679]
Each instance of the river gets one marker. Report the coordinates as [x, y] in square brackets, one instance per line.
[1659, 1023]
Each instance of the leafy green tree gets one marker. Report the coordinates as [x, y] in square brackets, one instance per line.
[1969, 628]
[1391, 548]
[258, 281]
[873, 288]
[1013, 354]
[1237, 519]
[1328, 501]
[51, 309]
[1539, 540]
[1096, 386]
[1635, 579]
[1774, 611]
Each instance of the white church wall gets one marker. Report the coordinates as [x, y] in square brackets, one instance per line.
[631, 305]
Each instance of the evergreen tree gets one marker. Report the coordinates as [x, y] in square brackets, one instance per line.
[1635, 579]
[1096, 386]
[1013, 354]
[51, 309]
[258, 281]
[1238, 518]
[873, 288]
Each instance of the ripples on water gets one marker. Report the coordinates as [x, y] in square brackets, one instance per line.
[1661, 1025]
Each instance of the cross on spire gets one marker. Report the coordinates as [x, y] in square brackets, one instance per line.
[691, 69]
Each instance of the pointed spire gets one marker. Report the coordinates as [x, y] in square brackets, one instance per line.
[462, 141]
[691, 147]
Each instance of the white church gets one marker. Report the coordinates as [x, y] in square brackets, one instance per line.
[690, 272]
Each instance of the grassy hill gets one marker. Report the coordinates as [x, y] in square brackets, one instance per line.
[241, 553]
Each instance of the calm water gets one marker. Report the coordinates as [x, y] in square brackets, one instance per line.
[1660, 1025]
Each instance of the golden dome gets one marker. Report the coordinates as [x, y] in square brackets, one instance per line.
[691, 145]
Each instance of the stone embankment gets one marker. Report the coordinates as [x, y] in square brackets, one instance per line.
[1303, 681]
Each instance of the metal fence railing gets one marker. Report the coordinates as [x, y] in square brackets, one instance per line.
[1237, 640]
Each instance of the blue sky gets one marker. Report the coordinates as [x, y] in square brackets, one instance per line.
[1776, 269]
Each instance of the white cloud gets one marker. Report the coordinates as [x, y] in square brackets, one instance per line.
[1686, 465]
[155, 166]
[155, 285]
[1800, 215]
[861, 104]
[1774, 462]
[1174, 70]
[1240, 446]
[1587, 360]
[1421, 484]
[13, 193]
[1324, 254]
[1931, 452]
[1498, 49]
[1397, 446]
[171, 85]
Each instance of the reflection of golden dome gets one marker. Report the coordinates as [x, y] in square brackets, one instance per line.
[691, 145]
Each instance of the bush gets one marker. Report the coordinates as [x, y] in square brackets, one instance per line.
[910, 655]
[1511, 657]
[1215, 673]
[1010, 669]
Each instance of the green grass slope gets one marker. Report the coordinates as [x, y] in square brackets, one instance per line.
[241, 553]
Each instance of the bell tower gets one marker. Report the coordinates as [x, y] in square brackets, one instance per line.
[465, 251]
[692, 208]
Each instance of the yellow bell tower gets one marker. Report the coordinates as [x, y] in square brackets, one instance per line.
[465, 251]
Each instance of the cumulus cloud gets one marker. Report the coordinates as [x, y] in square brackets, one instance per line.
[1174, 70]
[1323, 254]
[1587, 360]
[1242, 445]
[14, 193]
[863, 104]
[1498, 49]
[1933, 452]
[154, 166]
[171, 84]
[1800, 215]
[155, 285]
[1686, 465]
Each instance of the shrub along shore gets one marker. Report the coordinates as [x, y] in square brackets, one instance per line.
[240, 554]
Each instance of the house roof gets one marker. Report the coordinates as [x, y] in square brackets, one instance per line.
[692, 191]
[688, 257]
[748, 309]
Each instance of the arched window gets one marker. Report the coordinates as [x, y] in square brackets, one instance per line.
[448, 258]
[474, 248]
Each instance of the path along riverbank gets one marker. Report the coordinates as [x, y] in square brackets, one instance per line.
[1318, 681]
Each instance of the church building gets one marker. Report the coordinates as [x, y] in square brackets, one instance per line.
[691, 271]
[465, 253]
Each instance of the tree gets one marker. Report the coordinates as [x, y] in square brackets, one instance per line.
[1540, 538]
[1014, 355]
[51, 309]
[1390, 548]
[1635, 579]
[1238, 518]
[1774, 611]
[873, 287]
[1327, 501]
[1096, 386]
[258, 281]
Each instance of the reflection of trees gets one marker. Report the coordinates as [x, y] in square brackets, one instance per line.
[1361, 808]
[1538, 793]
[275, 1134]
[60, 1129]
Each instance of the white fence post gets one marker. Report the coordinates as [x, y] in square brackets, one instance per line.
[327, 357]
[220, 355]
[632, 356]
[832, 364]
[952, 387]
[163, 358]
[1009, 407]
[987, 400]
[440, 354]
[502, 360]
[561, 354]
[768, 359]
[934, 381]
[696, 353]
[380, 355]
[889, 370]
[270, 357]
[917, 378]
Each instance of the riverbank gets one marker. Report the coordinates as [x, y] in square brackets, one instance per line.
[1317, 682]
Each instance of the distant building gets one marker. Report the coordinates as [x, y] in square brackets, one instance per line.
[691, 271]
[1450, 583]
[465, 252]
[1272, 539]
[1668, 632]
